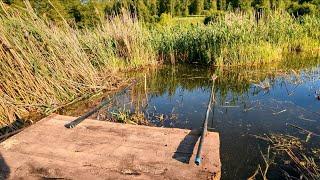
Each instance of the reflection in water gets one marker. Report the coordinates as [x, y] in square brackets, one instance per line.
[249, 101]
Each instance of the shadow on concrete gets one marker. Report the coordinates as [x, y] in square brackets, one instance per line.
[186, 147]
[4, 169]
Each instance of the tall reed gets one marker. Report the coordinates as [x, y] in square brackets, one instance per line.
[238, 38]
[44, 66]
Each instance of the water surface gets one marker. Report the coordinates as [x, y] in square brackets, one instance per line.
[248, 101]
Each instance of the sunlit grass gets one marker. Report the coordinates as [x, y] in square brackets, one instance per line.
[237, 38]
[44, 66]
[188, 20]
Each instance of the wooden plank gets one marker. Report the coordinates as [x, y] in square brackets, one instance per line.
[104, 150]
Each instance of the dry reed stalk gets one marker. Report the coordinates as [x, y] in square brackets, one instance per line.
[45, 66]
[294, 148]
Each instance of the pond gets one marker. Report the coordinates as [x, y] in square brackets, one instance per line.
[249, 102]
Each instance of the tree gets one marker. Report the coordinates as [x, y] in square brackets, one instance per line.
[185, 8]
[142, 10]
[153, 8]
[88, 12]
[196, 7]
[8, 1]
[221, 4]
[234, 3]
[245, 5]
[261, 4]
[166, 6]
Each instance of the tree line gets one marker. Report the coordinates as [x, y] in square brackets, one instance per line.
[89, 12]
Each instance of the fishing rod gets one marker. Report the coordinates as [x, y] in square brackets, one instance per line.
[205, 123]
[77, 121]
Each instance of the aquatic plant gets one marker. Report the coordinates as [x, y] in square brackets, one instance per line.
[238, 38]
[127, 117]
[297, 157]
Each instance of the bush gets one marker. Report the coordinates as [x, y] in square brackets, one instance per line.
[205, 12]
[165, 19]
[214, 17]
[297, 10]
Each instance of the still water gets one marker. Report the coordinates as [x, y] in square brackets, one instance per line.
[249, 102]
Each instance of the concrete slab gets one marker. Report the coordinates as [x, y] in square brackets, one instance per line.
[104, 150]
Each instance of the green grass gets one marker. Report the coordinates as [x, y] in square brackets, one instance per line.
[237, 39]
[188, 20]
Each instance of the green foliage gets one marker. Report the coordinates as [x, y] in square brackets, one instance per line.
[165, 19]
[89, 12]
[237, 39]
[297, 9]
[245, 5]
[8, 1]
[196, 7]
[214, 17]
[221, 4]
[261, 4]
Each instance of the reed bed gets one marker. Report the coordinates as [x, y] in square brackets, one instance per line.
[239, 39]
[45, 66]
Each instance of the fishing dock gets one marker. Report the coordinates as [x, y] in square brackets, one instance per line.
[104, 150]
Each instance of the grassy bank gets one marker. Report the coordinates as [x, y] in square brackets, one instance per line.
[236, 38]
[44, 66]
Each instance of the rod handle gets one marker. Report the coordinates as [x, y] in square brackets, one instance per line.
[198, 161]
